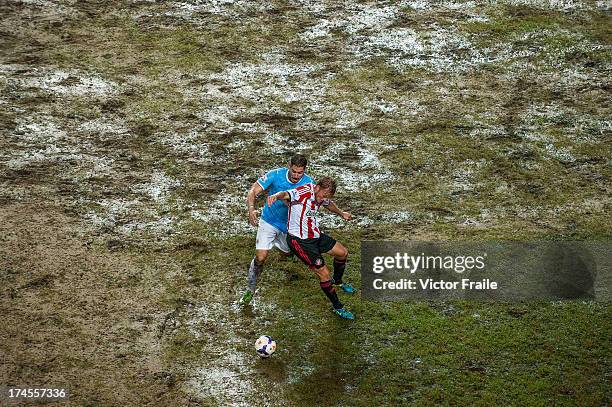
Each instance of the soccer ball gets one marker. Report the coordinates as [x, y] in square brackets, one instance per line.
[265, 346]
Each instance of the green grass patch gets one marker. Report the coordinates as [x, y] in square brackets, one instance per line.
[514, 21]
[419, 353]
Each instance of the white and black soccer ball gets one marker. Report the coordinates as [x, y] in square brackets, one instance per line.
[265, 346]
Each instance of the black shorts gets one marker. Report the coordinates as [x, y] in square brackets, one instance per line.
[310, 251]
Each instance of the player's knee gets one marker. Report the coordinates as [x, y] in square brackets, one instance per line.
[343, 254]
[323, 273]
[261, 257]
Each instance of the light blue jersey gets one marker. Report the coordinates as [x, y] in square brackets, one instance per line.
[278, 180]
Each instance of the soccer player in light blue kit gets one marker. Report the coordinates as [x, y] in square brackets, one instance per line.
[272, 228]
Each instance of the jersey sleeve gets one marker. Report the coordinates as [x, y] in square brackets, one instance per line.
[267, 179]
[294, 194]
[297, 193]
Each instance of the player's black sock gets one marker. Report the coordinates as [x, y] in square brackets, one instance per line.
[339, 266]
[255, 269]
[330, 292]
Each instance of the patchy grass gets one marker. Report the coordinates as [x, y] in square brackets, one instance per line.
[512, 21]
[423, 352]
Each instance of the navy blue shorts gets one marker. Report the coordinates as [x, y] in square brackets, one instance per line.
[310, 251]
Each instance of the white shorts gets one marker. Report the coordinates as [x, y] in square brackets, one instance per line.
[269, 236]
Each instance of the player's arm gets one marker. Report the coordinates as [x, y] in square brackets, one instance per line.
[283, 195]
[255, 190]
[331, 206]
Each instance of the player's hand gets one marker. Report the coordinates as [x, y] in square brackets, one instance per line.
[272, 199]
[252, 217]
[347, 216]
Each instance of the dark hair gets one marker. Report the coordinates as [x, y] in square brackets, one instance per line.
[298, 160]
[327, 183]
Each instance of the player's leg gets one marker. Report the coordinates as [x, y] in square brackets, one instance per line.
[266, 235]
[340, 255]
[308, 251]
[327, 285]
[256, 268]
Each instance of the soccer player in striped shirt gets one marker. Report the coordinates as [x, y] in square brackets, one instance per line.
[306, 240]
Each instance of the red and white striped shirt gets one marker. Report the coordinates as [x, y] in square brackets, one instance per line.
[302, 219]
